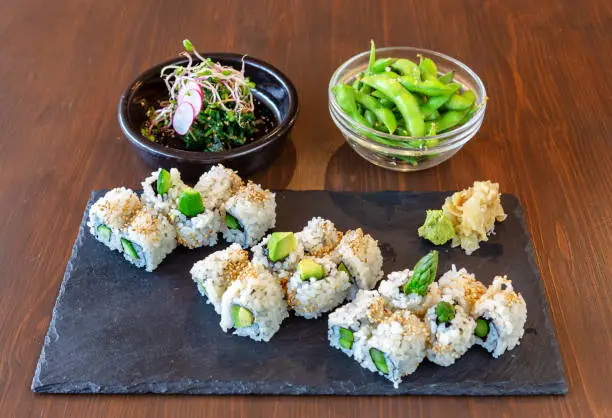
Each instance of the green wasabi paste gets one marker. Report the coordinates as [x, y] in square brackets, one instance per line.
[437, 228]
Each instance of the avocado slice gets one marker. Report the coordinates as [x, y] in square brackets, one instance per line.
[190, 202]
[280, 245]
[164, 181]
[104, 232]
[342, 267]
[128, 247]
[231, 222]
[482, 328]
[346, 338]
[310, 269]
[378, 357]
[242, 317]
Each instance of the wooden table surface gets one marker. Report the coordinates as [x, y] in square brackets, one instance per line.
[547, 137]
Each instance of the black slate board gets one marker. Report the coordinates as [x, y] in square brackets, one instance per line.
[117, 329]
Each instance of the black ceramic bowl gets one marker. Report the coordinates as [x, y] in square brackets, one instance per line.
[273, 90]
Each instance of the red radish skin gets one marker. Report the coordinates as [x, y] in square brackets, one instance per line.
[183, 118]
[193, 98]
[192, 85]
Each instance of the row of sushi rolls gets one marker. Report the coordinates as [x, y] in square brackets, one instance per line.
[388, 326]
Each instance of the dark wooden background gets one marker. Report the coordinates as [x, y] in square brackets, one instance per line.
[547, 137]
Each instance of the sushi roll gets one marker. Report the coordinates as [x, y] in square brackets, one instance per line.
[253, 305]
[147, 239]
[217, 185]
[279, 252]
[501, 315]
[413, 290]
[349, 325]
[320, 238]
[196, 226]
[316, 287]
[451, 333]
[461, 287]
[361, 257]
[396, 348]
[109, 214]
[249, 214]
[161, 190]
[394, 291]
[215, 273]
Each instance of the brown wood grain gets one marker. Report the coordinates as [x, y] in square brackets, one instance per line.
[547, 137]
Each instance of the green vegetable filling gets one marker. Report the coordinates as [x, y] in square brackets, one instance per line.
[445, 312]
[342, 267]
[280, 245]
[164, 182]
[482, 328]
[346, 338]
[190, 202]
[378, 357]
[128, 247]
[424, 273]
[242, 317]
[104, 232]
[231, 222]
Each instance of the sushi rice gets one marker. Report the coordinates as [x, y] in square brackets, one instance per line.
[402, 340]
[259, 292]
[362, 257]
[217, 185]
[215, 273]
[391, 290]
[506, 314]
[198, 231]
[113, 211]
[151, 237]
[311, 298]
[461, 287]
[162, 204]
[255, 210]
[352, 316]
[449, 340]
[320, 238]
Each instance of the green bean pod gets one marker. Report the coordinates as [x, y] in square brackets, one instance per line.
[406, 67]
[447, 78]
[405, 102]
[460, 101]
[450, 119]
[428, 68]
[381, 64]
[427, 87]
[382, 113]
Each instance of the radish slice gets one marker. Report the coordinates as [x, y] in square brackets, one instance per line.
[192, 85]
[193, 98]
[183, 118]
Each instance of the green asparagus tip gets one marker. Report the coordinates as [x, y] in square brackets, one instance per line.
[187, 45]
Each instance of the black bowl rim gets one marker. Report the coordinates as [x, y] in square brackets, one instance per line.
[147, 145]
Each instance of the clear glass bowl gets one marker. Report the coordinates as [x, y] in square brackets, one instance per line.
[392, 157]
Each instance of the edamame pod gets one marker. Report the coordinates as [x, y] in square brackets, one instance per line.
[428, 68]
[406, 67]
[429, 87]
[447, 78]
[382, 113]
[450, 119]
[460, 101]
[381, 64]
[405, 102]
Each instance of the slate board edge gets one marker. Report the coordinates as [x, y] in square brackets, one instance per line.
[36, 384]
[190, 387]
[262, 388]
